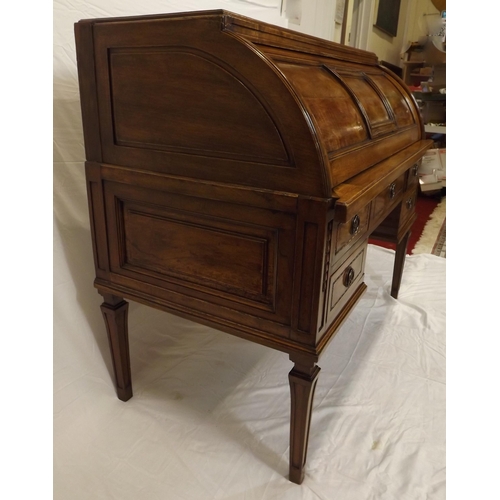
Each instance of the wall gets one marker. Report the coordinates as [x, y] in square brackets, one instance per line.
[386, 47]
[313, 17]
[413, 16]
[421, 11]
[416, 16]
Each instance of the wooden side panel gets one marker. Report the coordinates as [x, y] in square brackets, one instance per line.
[238, 258]
[311, 250]
[306, 302]
[184, 100]
[217, 254]
[84, 38]
[179, 96]
[95, 197]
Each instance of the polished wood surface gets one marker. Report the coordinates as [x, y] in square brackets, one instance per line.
[235, 171]
[115, 313]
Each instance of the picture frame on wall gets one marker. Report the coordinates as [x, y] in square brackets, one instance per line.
[388, 16]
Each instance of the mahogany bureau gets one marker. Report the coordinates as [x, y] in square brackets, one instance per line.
[235, 171]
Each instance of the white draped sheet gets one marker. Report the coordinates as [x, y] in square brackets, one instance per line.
[210, 414]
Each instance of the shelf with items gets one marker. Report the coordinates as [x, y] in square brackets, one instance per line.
[424, 72]
[424, 63]
[432, 128]
[432, 107]
[413, 63]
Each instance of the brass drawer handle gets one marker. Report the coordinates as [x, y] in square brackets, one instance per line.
[392, 190]
[409, 203]
[355, 224]
[348, 277]
[415, 169]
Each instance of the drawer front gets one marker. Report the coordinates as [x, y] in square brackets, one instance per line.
[344, 281]
[408, 206]
[352, 229]
[388, 197]
[412, 175]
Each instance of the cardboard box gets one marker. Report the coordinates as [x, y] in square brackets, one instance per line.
[432, 170]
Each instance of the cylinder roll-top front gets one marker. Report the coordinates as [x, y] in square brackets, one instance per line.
[213, 99]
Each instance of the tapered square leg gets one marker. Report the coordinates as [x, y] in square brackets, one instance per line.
[115, 312]
[303, 379]
[399, 262]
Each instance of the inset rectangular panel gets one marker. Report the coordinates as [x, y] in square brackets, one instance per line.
[203, 251]
[338, 122]
[207, 253]
[236, 256]
[399, 103]
[366, 96]
[183, 100]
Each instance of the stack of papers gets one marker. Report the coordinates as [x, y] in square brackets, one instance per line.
[432, 171]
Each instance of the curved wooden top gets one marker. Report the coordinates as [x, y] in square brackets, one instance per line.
[218, 96]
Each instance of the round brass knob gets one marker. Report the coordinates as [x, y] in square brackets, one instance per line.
[348, 276]
[355, 224]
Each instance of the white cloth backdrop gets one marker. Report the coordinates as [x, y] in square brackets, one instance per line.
[210, 414]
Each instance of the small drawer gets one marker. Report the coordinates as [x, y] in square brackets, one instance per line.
[388, 197]
[408, 206]
[352, 229]
[344, 282]
[412, 175]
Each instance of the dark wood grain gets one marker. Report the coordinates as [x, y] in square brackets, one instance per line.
[235, 171]
[115, 312]
[399, 262]
[87, 82]
[303, 379]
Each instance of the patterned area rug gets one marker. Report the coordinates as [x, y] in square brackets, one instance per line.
[433, 238]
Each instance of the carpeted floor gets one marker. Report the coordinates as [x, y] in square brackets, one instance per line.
[428, 233]
[440, 245]
[433, 237]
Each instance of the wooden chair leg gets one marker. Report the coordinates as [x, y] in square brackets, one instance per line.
[399, 262]
[303, 378]
[115, 312]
